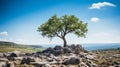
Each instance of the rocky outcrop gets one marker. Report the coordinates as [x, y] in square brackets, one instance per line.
[70, 56]
[58, 50]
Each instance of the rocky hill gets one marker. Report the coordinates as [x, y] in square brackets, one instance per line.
[70, 56]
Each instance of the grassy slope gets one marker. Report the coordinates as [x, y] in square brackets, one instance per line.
[107, 53]
[9, 46]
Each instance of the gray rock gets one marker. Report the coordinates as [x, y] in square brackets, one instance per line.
[72, 61]
[58, 52]
[4, 59]
[49, 59]
[48, 50]
[67, 50]
[82, 65]
[58, 48]
[13, 55]
[1, 55]
[27, 60]
[2, 64]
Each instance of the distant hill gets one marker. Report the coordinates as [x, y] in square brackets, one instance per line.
[11, 46]
[5, 43]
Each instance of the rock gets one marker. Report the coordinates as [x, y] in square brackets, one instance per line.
[48, 50]
[3, 59]
[24, 61]
[58, 52]
[37, 59]
[116, 63]
[78, 49]
[40, 64]
[47, 65]
[73, 46]
[18, 58]
[27, 60]
[13, 55]
[82, 64]
[58, 48]
[12, 64]
[67, 50]
[1, 55]
[28, 54]
[92, 57]
[39, 52]
[2, 64]
[6, 54]
[8, 64]
[91, 64]
[72, 61]
[49, 59]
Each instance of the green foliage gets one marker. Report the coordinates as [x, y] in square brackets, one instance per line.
[61, 26]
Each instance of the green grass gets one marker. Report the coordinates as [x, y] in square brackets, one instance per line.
[108, 52]
[26, 49]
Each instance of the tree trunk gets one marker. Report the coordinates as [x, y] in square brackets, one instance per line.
[64, 40]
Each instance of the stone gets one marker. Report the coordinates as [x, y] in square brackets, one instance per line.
[18, 58]
[3, 59]
[28, 54]
[58, 48]
[73, 46]
[72, 61]
[58, 52]
[13, 55]
[1, 55]
[67, 50]
[49, 59]
[90, 56]
[27, 60]
[39, 52]
[48, 50]
[47, 65]
[2, 64]
[82, 64]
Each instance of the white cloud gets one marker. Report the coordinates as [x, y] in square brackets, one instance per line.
[95, 19]
[101, 4]
[4, 33]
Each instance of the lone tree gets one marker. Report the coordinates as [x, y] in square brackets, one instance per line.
[60, 27]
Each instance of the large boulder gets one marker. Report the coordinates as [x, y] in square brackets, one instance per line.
[28, 54]
[67, 50]
[24, 61]
[71, 61]
[72, 47]
[27, 60]
[13, 55]
[58, 47]
[2, 64]
[58, 52]
[48, 50]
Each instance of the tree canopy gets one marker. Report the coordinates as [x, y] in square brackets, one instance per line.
[61, 26]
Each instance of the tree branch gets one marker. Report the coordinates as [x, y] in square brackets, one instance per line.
[58, 34]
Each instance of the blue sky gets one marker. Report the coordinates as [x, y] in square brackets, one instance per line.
[19, 20]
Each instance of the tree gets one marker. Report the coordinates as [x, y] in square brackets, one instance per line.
[62, 26]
